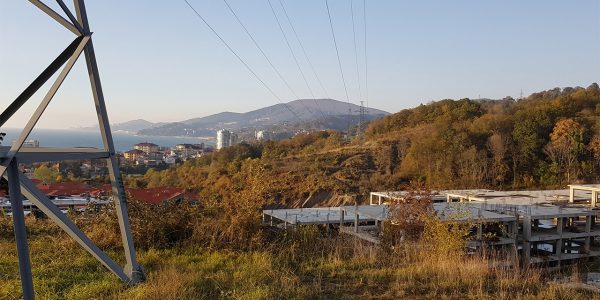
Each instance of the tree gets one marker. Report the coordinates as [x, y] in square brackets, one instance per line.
[45, 174]
[566, 144]
[498, 145]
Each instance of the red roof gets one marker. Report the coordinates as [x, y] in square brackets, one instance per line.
[148, 195]
[155, 195]
[64, 188]
[66, 192]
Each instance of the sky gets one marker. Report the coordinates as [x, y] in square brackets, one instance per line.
[159, 62]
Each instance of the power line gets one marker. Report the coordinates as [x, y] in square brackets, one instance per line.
[303, 50]
[366, 63]
[241, 60]
[260, 49]
[355, 50]
[287, 42]
[337, 52]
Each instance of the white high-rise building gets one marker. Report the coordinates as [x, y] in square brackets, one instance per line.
[223, 138]
[226, 138]
[262, 135]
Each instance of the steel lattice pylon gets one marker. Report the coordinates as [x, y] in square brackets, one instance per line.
[20, 185]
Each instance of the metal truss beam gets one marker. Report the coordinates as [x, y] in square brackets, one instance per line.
[16, 202]
[53, 212]
[40, 80]
[36, 155]
[43, 105]
[54, 15]
[133, 270]
[70, 16]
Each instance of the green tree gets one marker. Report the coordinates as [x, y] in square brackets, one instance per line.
[45, 174]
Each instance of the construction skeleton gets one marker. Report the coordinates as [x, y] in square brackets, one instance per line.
[10, 157]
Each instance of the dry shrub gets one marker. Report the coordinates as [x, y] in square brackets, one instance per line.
[169, 283]
[6, 227]
[445, 237]
[409, 215]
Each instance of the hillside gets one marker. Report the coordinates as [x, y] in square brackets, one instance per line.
[222, 249]
[313, 113]
[547, 140]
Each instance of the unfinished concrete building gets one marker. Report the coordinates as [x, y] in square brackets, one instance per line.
[543, 227]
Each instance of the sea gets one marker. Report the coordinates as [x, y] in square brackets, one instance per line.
[89, 138]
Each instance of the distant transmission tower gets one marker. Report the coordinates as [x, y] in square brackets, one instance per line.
[19, 184]
[521, 95]
[362, 119]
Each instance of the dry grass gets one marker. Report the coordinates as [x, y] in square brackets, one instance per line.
[305, 264]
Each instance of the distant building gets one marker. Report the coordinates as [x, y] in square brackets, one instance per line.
[262, 135]
[171, 159]
[160, 195]
[31, 144]
[146, 147]
[226, 138]
[233, 139]
[133, 155]
[185, 151]
[157, 156]
[223, 136]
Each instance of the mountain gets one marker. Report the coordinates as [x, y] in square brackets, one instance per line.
[129, 126]
[312, 113]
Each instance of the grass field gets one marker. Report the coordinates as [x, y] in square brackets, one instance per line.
[301, 265]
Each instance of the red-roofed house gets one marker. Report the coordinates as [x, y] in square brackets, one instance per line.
[156, 195]
[64, 188]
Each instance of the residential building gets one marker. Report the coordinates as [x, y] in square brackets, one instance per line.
[160, 195]
[31, 144]
[134, 154]
[146, 147]
[185, 151]
[263, 135]
[223, 138]
[233, 139]
[171, 159]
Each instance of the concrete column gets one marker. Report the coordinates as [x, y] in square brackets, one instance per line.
[356, 217]
[559, 231]
[513, 232]
[526, 240]
[571, 195]
[371, 198]
[594, 198]
[341, 217]
[588, 229]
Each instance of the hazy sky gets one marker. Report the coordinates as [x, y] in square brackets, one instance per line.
[159, 62]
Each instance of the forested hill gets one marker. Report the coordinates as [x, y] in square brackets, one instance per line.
[547, 140]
